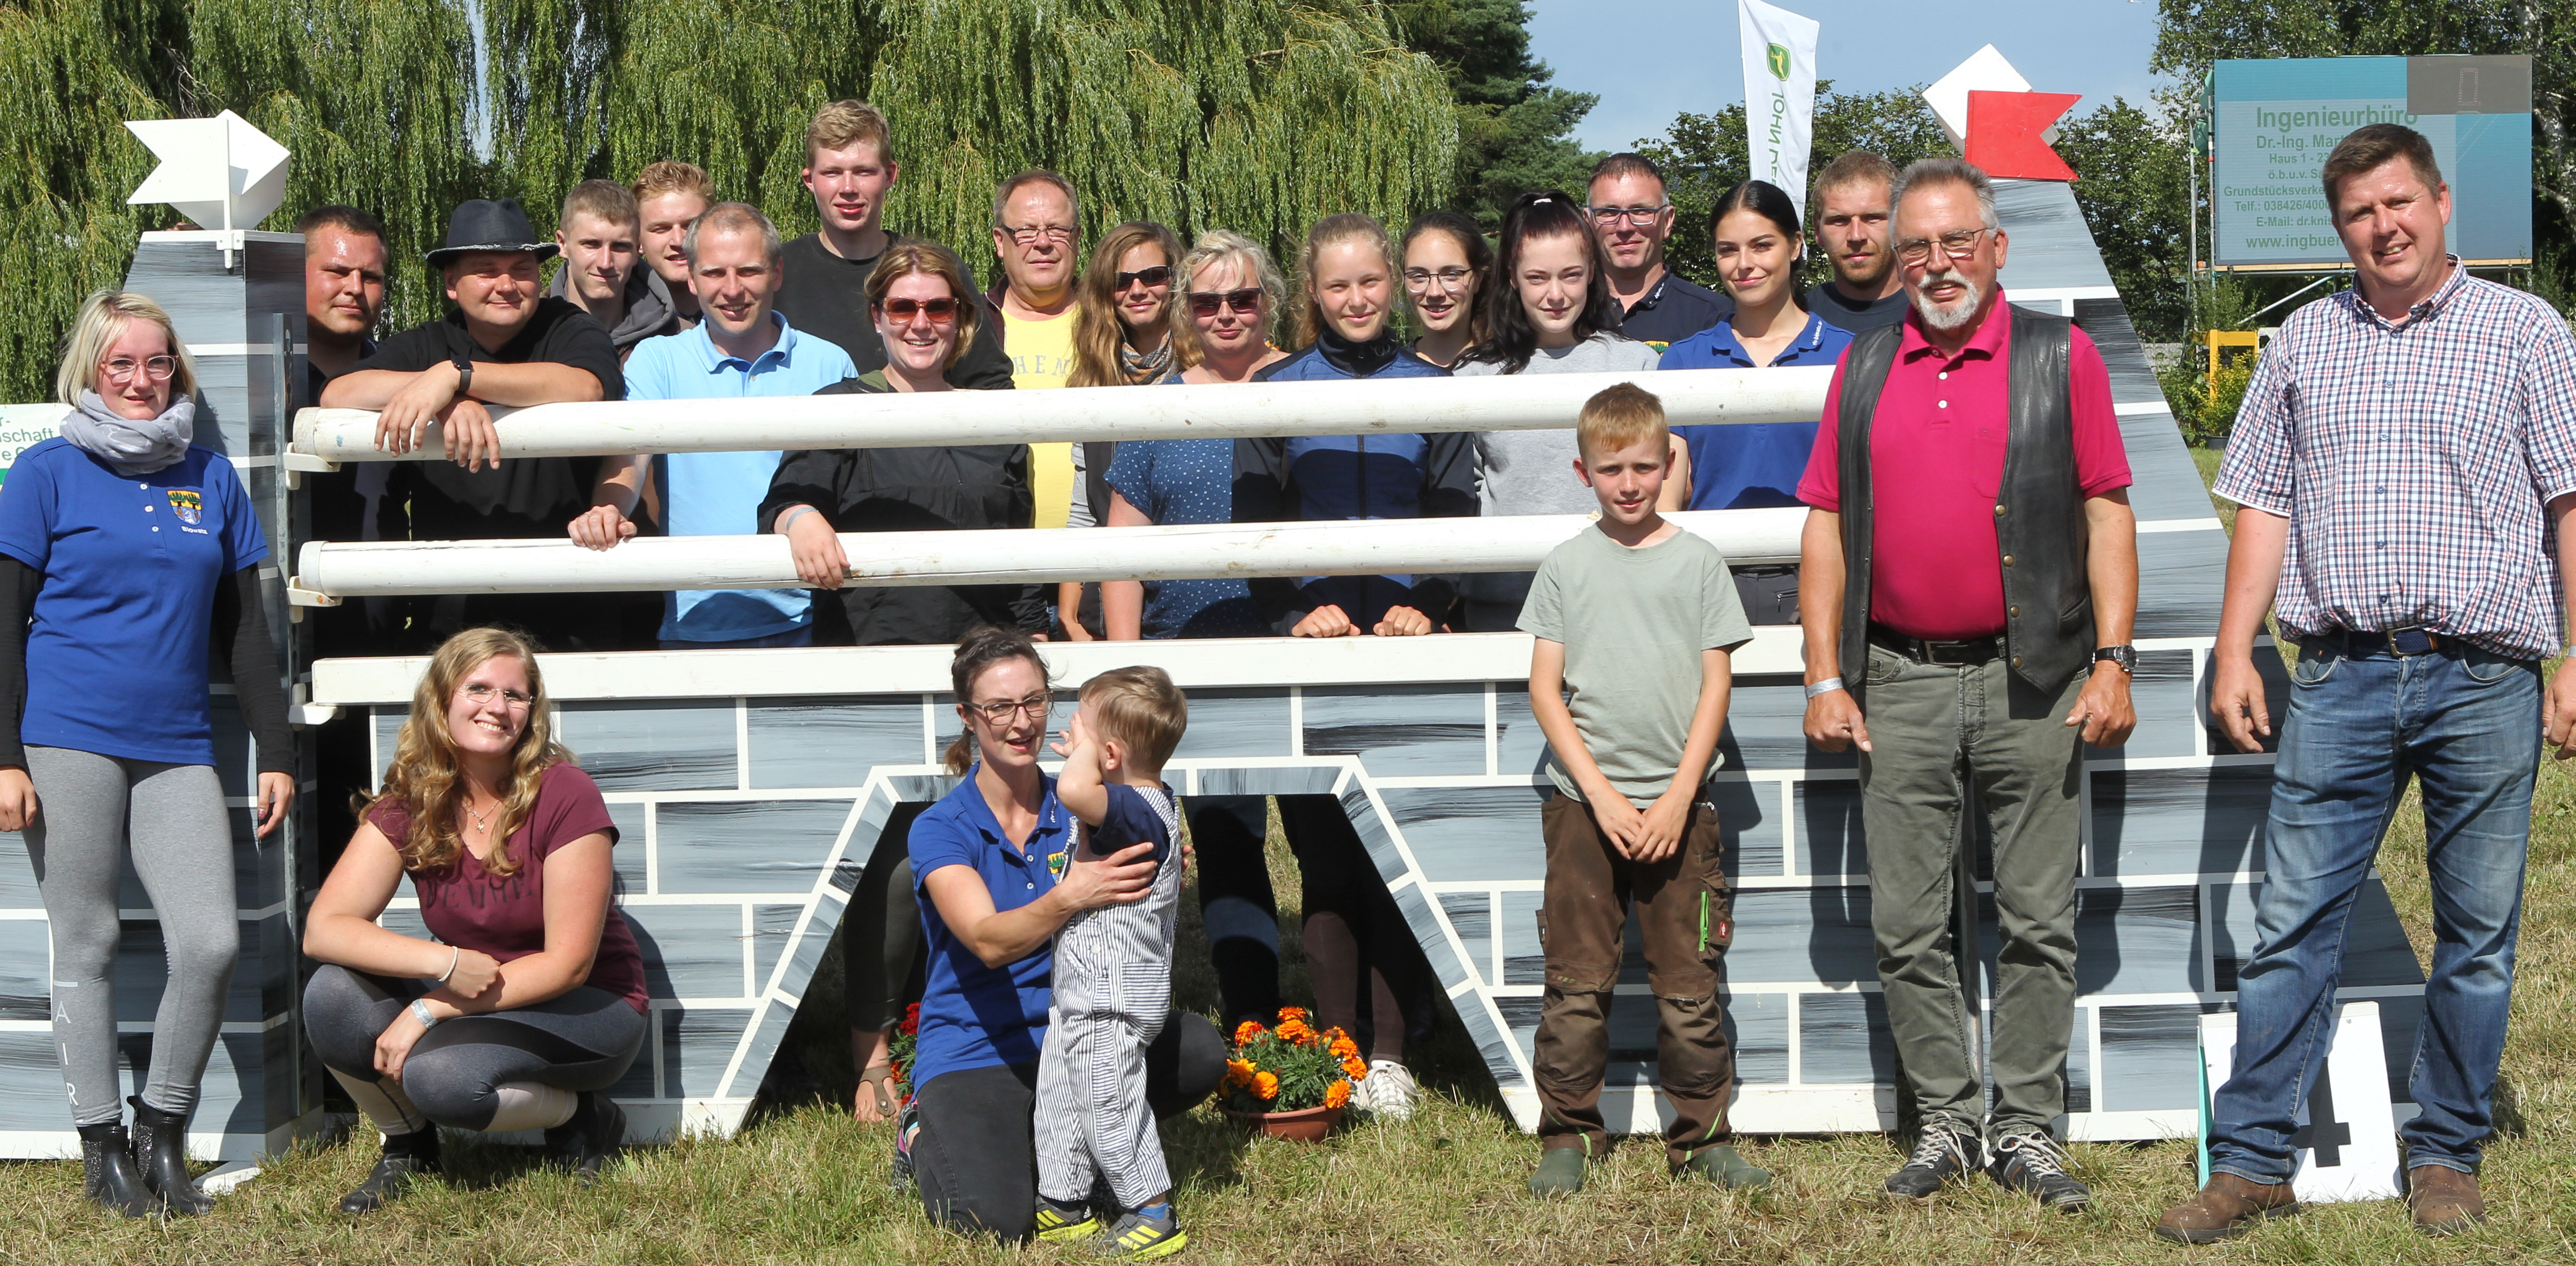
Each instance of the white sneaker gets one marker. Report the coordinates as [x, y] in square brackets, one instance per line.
[1388, 1090]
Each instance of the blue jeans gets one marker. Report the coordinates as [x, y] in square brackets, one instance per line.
[793, 637]
[2467, 726]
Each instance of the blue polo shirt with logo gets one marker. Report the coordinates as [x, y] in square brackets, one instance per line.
[974, 1016]
[117, 648]
[719, 494]
[1750, 465]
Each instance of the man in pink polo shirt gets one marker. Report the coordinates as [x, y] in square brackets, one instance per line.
[1975, 610]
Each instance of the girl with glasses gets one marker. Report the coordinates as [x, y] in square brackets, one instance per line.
[1732, 467]
[1122, 336]
[927, 314]
[128, 553]
[1445, 264]
[526, 1001]
[998, 878]
[1549, 311]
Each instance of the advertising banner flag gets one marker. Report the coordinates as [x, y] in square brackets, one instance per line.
[1779, 95]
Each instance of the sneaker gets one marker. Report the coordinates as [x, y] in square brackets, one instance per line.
[1388, 1091]
[585, 1143]
[1056, 1220]
[907, 1127]
[1137, 1236]
[1941, 1153]
[1723, 1166]
[1560, 1172]
[2030, 1162]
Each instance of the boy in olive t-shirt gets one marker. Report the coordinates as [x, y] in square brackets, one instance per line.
[1634, 620]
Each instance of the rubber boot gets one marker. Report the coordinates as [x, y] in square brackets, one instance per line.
[408, 1158]
[108, 1175]
[161, 1152]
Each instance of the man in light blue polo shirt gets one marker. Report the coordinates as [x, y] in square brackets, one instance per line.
[744, 348]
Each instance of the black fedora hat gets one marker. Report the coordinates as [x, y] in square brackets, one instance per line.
[482, 225]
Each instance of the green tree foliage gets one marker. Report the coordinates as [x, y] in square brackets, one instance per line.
[1261, 118]
[1515, 131]
[2135, 169]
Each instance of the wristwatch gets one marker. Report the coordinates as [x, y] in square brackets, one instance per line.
[464, 373]
[2125, 656]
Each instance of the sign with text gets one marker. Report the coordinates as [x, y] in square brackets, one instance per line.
[2347, 1129]
[2275, 121]
[24, 426]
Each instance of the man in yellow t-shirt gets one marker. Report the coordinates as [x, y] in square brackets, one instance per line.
[1037, 234]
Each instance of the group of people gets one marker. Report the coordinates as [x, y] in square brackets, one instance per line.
[1967, 628]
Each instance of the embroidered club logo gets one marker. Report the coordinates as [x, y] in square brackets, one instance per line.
[1058, 860]
[190, 507]
[1778, 56]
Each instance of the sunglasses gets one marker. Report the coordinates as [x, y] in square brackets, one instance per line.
[1206, 302]
[1158, 275]
[940, 311]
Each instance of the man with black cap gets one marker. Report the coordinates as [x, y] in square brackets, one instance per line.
[503, 343]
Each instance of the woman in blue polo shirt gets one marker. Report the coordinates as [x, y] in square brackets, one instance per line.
[996, 879]
[126, 551]
[1747, 466]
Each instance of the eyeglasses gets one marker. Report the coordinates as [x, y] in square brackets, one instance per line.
[478, 692]
[1633, 215]
[1419, 279]
[1958, 244]
[1158, 275]
[901, 311]
[1206, 302]
[121, 370]
[1032, 234]
[1001, 713]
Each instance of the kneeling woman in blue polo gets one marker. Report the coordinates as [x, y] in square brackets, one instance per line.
[997, 879]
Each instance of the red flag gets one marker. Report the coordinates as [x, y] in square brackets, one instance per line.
[2004, 133]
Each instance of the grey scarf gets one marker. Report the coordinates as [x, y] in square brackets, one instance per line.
[131, 447]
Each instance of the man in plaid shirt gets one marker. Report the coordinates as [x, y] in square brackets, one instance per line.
[2404, 460]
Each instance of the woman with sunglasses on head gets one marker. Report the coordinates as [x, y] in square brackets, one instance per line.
[526, 1001]
[1122, 337]
[1737, 467]
[926, 312]
[1230, 295]
[1549, 311]
[999, 877]
[129, 558]
[1369, 975]
[1446, 261]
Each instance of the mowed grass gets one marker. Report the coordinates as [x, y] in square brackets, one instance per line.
[805, 1184]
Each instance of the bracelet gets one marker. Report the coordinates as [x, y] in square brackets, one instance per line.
[1825, 687]
[420, 1011]
[792, 516]
[452, 960]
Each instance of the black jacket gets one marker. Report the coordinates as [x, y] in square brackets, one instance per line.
[910, 490]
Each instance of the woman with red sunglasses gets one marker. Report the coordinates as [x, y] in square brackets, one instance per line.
[926, 312]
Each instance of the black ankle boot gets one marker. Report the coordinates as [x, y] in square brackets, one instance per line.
[107, 1171]
[161, 1152]
[585, 1143]
[407, 1159]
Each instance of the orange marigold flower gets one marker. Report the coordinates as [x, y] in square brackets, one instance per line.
[1295, 1013]
[1342, 1046]
[1297, 1031]
[1355, 1067]
[1265, 1086]
[1337, 1094]
[1245, 1032]
[1238, 1073]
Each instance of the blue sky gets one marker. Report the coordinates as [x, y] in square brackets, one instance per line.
[1652, 59]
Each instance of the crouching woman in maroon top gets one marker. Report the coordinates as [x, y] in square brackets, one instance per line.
[530, 1001]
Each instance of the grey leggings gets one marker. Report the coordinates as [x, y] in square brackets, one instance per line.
[582, 1040]
[90, 810]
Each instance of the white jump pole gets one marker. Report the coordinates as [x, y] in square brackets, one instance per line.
[1519, 402]
[331, 571]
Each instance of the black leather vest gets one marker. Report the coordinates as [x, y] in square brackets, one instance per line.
[2039, 515]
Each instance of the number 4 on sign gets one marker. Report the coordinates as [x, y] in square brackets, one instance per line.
[2347, 1129]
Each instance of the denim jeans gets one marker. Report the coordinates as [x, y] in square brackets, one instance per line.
[2467, 726]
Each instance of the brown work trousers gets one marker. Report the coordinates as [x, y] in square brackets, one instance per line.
[1685, 915]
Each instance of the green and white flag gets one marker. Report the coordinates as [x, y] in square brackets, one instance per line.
[1779, 95]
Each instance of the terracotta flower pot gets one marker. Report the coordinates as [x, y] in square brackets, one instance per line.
[1305, 1125]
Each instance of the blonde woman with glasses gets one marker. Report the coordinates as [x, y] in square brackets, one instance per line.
[127, 552]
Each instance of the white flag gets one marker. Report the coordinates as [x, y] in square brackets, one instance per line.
[1779, 95]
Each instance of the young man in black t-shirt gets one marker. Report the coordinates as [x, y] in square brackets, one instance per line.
[502, 344]
[849, 166]
[1851, 218]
